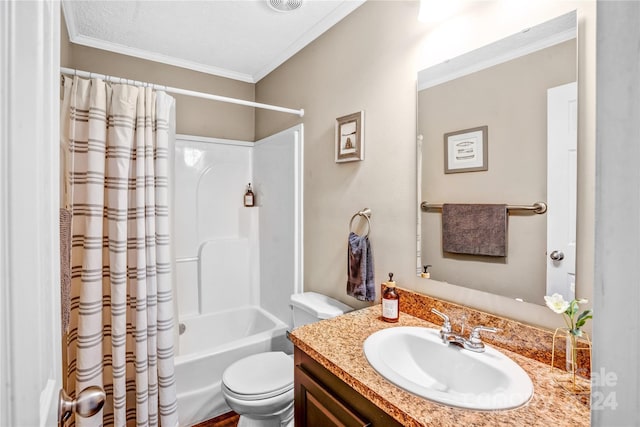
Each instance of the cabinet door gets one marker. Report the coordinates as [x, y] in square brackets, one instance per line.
[316, 406]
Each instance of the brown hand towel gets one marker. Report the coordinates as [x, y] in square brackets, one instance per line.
[476, 229]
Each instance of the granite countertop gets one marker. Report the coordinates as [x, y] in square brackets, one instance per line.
[337, 345]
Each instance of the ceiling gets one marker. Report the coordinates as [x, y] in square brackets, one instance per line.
[239, 39]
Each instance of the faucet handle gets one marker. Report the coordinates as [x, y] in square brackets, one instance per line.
[474, 338]
[446, 326]
[474, 343]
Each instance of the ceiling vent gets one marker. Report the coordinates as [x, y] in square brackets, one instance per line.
[284, 5]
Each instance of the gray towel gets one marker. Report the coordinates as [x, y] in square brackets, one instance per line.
[65, 267]
[474, 229]
[360, 282]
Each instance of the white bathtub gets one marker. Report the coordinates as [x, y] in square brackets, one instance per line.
[212, 342]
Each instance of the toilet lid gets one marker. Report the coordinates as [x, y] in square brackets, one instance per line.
[263, 374]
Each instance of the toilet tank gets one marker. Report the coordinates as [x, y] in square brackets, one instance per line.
[309, 307]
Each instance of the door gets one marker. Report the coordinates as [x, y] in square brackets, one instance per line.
[317, 406]
[562, 113]
[30, 351]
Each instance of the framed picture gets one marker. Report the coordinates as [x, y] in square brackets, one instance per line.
[350, 137]
[466, 150]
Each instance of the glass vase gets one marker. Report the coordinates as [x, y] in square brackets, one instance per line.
[571, 354]
[577, 352]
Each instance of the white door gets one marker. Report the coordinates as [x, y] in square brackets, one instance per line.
[562, 113]
[30, 351]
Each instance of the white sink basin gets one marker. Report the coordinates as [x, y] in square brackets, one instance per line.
[417, 360]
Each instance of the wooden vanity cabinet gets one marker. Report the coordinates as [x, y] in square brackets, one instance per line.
[322, 399]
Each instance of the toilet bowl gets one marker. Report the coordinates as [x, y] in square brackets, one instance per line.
[260, 387]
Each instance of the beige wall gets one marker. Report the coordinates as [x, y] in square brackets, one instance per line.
[361, 64]
[369, 62]
[194, 116]
[511, 100]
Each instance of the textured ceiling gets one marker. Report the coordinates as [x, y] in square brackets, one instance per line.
[239, 39]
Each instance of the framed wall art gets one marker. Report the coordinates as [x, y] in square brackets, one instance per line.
[350, 137]
[466, 150]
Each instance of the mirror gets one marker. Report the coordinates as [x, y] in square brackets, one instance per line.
[491, 115]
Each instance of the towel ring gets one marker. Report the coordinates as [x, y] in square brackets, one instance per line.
[366, 213]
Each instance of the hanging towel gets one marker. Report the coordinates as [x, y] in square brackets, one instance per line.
[65, 267]
[360, 282]
[476, 229]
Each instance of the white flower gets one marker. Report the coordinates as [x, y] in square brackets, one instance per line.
[569, 310]
[556, 303]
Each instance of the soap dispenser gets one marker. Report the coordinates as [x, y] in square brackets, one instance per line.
[390, 302]
[249, 198]
[425, 272]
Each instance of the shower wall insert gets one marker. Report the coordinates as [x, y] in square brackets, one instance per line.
[212, 230]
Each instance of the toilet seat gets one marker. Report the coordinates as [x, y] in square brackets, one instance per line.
[259, 376]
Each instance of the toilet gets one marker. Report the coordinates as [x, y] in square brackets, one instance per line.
[260, 387]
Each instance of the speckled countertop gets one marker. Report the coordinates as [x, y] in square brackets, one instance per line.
[337, 345]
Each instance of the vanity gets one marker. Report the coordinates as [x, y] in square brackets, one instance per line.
[336, 385]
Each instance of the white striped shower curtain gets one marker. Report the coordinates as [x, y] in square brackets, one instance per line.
[116, 160]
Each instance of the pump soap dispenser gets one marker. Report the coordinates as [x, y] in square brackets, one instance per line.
[390, 302]
[249, 197]
[425, 272]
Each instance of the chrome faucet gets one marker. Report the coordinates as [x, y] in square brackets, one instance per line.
[473, 343]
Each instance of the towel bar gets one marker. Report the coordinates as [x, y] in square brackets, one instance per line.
[366, 213]
[537, 207]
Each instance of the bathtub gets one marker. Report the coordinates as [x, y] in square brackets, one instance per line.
[209, 344]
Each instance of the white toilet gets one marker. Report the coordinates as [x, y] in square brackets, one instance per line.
[260, 387]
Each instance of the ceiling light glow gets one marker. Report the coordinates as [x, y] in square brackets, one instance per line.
[432, 11]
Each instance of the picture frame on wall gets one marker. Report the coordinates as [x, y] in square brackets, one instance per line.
[466, 150]
[350, 137]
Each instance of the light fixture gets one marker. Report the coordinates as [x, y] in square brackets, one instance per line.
[284, 5]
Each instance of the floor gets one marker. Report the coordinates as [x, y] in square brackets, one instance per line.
[230, 419]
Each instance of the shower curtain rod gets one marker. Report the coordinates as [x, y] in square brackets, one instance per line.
[112, 79]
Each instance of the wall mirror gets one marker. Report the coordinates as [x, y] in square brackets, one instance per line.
[513, 104]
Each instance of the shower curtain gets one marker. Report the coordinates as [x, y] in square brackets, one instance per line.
[120, 335]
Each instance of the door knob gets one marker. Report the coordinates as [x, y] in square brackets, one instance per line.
[556, 256]
[88, 403]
